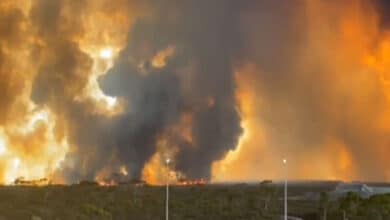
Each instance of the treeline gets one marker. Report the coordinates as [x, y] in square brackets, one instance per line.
[128, 202]
[353, 207]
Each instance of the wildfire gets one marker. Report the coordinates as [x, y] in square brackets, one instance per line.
[380, 63]
[239, 163]
[107, 183]
[3, 147]
[123, 171]
[103, 60]
[327, 107]
[199, 182]
[106, 53]
[356, 75]
[40, 157]
[105, 36]
[156, 172]
[160, 59]
[39, 182]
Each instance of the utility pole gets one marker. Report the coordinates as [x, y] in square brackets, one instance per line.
[285, 188]
[167, 161]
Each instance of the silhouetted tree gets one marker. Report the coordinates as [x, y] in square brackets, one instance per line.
[350, 203]
[324, 200]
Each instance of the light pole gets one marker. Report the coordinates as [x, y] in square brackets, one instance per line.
[167, 161]
[285, 188]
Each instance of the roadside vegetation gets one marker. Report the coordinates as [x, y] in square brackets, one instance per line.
[209, 202]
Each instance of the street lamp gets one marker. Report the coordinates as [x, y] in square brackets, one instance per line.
[285, 188]
[167, 161]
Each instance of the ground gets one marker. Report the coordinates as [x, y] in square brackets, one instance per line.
[208, 202]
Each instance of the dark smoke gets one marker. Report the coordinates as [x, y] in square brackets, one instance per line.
[304, 100]
[205, 36]
[383, 7]
[61, 75]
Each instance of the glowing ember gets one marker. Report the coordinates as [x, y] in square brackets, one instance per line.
[199, 182]
[24, 182]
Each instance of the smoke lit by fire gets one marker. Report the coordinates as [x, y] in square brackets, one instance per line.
[108, 90]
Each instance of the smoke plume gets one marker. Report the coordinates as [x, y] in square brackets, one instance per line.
[226, 89]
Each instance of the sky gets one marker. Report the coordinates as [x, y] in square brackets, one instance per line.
[108, 90]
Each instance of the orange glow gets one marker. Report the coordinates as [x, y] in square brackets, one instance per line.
[199, 182]
[379, 61]
[341, 74]
[160, 59]
[242, 163]
[123, 171]
[156, 171]
[346, 40]
[102, 61]
[43, 154]
[184, 127]
[106, 53]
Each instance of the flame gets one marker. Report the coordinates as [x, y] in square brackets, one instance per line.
[107, 183]
[156, 171]
[36, 151]
[39, 182]
[345, 37]
[123, 171]
[33, 139]
[199, 182]
[160, 59]
[3, 147]
[106, 53]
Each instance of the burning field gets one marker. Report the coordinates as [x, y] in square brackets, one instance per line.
[107, 90]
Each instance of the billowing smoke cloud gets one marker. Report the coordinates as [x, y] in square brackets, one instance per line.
[64, 74]
[200, 70]
[318, 102]
[97, 89]
[10, 35]
[383, 8]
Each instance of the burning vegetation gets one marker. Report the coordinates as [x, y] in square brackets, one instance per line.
[21, 181]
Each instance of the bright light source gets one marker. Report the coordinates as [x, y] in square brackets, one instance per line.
[16, 163]
[106, 53]
[284, 161]
[111, 101]
[123, 171]
[2, 146]
[167, 161]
